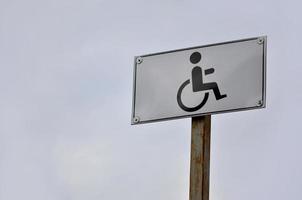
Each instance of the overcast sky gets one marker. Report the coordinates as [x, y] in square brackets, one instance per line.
[65, 101]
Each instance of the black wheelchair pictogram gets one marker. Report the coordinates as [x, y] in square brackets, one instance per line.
[198, 85]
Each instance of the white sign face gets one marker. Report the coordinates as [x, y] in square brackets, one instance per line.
[202, 80]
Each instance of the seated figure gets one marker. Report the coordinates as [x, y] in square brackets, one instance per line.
[198, 84]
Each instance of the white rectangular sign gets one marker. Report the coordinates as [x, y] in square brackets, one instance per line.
[209, 79]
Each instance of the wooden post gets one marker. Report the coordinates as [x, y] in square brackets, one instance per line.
[200, 158]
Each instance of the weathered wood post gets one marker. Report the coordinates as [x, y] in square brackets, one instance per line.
[200, 158]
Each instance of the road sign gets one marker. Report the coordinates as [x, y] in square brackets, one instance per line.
[203, 80]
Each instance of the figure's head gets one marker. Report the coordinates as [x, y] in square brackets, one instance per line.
[195, 57]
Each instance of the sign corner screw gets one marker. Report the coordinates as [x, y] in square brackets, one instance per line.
[139, 60]
[260, 103]
[260, 41]
[136, 119]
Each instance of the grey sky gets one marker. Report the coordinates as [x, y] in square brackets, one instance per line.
[65, 101]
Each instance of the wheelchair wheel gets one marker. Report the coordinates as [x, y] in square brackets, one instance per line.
[190, 109]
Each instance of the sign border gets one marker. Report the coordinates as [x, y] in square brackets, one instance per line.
[136, 121]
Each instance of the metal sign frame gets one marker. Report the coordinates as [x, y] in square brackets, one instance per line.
[261, 104]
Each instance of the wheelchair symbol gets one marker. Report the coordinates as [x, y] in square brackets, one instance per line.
[198, 85]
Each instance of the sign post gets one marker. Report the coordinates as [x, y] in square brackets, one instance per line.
[200, 158]
[198, 82]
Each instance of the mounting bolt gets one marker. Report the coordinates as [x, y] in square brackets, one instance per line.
[139, 60]
[260, 41]
[260, 103]
[136, 119]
